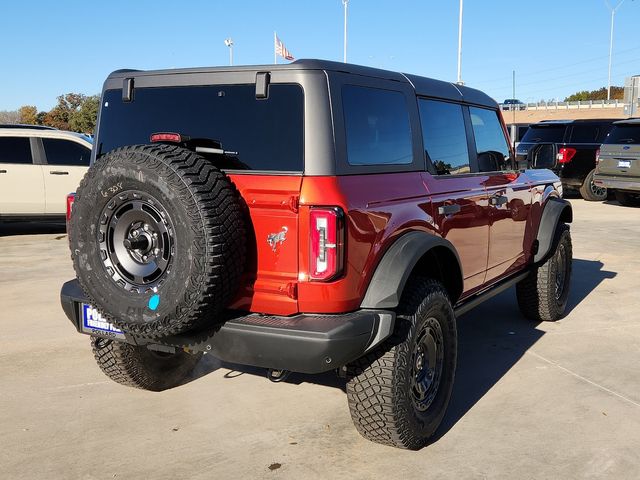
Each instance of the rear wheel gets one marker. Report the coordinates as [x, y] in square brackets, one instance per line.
[398, 394]
[543, 294]
[592, 192]
[628, 199]
[139, 367]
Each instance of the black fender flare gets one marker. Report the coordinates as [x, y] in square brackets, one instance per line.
[556, 210]
[391, 275]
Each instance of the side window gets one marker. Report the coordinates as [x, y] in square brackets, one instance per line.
[15, 150]
[584, 134]
[65, 152]
[491, 144]
[377, 126]
[444, 136]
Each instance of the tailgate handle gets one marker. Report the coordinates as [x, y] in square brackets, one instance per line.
[58, 172]
[449, 209]
[3, 171]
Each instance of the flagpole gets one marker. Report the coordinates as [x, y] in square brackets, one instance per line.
[275, 55]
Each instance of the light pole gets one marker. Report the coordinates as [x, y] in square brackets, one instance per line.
[613, 14]
[460, 46]
[229, 43]
[345, 3]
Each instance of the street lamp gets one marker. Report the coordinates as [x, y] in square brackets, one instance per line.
[460, 46]
[229, 43]
[613, 14]
[345, 2]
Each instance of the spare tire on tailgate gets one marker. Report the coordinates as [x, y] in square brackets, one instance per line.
[157, 239]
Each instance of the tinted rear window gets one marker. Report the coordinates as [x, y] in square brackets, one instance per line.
[377, 126]
[584, 133]
[624, 134]
[264, 134]
[548, 133]
[15, 150]
[65, 152]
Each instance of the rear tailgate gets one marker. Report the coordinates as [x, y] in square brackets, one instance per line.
[620, 160]
[271, 284]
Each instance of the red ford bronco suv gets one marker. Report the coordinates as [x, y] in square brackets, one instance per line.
[307, 217]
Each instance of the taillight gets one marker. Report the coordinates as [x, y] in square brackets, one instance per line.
[327, 243]
[565, 154]
[70, 199]
[597, 156]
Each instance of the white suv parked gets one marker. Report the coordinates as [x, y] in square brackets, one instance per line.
[39, 167]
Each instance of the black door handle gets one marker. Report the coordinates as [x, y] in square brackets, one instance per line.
[3, 171]
[498, 200]
[58, 172]
[449, 209]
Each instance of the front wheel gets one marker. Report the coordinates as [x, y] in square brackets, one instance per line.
[543, 294]
[399, 393]
[139, 367]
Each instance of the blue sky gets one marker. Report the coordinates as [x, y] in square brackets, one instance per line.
[556, 46]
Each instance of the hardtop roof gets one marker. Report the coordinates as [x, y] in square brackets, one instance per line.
[423, 86]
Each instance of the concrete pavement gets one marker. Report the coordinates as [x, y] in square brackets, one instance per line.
[558, 400]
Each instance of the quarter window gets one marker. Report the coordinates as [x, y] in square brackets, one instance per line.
[65, 152]
[444, 136]
[491, 144]
[377, 126]
[15, 150]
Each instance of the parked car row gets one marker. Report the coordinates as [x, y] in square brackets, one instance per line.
[596, 157]
[39, 166]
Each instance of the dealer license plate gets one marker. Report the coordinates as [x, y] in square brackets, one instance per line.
[94, 324]
[624, 163]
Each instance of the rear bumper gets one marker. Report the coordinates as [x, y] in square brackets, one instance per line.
[617, 183]
[302, 343]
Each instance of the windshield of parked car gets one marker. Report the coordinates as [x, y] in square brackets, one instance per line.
[544, 133]
[627, 134]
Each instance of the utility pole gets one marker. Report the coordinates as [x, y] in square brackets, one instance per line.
[345, 3]
[613, 14]
[514, 96]
[460, 46]
[229, 43]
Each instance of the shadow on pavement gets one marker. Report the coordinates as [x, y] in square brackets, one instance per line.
[492, 338]
[31, 228]
[585, 278]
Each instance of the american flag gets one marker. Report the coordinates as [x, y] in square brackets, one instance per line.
[281, 49]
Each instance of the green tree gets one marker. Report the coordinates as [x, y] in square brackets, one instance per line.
[84, 119]
[28, 115]
[60, 115]
[617, 93]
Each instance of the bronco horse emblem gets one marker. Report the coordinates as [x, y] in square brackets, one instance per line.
[275, 238]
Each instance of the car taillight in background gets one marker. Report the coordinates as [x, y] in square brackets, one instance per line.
[70, 199]
[597, 156]
[327, 243]
[565, 154]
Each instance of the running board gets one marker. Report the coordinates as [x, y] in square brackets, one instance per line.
[494, 290]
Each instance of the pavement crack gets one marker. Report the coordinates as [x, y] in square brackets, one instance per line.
[584, 379]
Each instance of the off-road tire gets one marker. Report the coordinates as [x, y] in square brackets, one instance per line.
[627, 199]
[139, 367]
[590, 192]
[201, 212]
[379, 386]
[537, 294]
